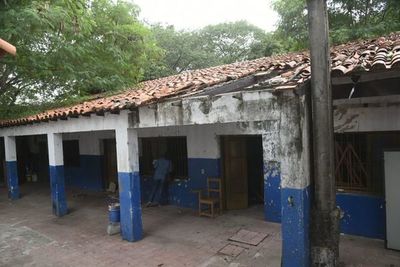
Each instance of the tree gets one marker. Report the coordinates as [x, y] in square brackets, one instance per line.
[231, 42]
[267, 46]
[292, 25]
[182, 51]
[349, 20]
[213, 45]
[69, 49]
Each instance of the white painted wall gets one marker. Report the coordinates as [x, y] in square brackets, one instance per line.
[90, 143]
[201, 119]
[72, 125]
[226, 108]
[367, 119]
[294, 145]
[10, 148]
[271, 142]
[203, 140]
[55, 146]
[127, 150]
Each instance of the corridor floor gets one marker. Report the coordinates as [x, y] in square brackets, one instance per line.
[31, 236]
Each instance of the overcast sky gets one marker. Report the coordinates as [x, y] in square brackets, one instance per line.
[195, 14]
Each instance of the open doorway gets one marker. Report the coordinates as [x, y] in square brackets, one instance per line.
[110, 163]
[242, 165]
[32, 159]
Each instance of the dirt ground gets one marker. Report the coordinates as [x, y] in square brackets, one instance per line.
[31, 236]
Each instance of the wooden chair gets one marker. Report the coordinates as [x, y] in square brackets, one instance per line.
[213, 198]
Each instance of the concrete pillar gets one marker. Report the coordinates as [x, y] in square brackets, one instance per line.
[129, 184]
[295, 182]
[57, 181]
[272, 175]
[11, 167]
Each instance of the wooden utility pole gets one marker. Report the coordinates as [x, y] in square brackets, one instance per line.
[325, 216]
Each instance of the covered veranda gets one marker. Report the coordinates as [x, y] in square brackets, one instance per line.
[173, 236]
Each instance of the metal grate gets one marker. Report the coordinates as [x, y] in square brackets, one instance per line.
[174, 148]
[359, 160]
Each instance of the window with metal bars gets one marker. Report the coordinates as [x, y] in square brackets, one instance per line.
[351, 162]
[359, 163]
[173, 148]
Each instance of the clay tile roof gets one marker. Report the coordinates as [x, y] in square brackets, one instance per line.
[292, 69]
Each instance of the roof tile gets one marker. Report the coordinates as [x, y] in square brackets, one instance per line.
[294, 68]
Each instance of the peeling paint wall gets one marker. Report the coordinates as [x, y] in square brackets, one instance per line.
[295, 180]
[367, 119]
[203, 146]
[227, 108]
[73, 125]
[364, 214]
[203, 120]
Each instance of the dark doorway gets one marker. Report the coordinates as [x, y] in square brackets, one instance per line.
[110, 162]
[242, 171]
[24, 160]
[255, 168]
[32, 159]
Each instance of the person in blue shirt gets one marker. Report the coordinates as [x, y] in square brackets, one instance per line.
[162, 167]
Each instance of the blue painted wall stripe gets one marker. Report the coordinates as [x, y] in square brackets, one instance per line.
[12, 180]
[180, 191]
[57, 184]
[272, 192]
[130, 206]
[295, 227]
[364, 215]
[88, 176]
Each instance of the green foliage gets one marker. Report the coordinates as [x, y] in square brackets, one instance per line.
[25, 109]
[349, 20]
[292, 25]
[231, 42]
[182, 51]
[213, 45]
[70, 49]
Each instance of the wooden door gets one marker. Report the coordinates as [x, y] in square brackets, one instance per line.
[235, 172]
[110, 162]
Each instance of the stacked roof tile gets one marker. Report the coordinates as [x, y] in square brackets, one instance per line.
[291, 69]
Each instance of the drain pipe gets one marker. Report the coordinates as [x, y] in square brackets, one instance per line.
[325, 216]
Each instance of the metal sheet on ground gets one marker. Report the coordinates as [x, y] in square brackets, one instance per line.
[248, 237]
[231, 250]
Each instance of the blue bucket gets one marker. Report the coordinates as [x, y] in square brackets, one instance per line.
[114, 212]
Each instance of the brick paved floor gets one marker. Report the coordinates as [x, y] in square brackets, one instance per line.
[31, 236]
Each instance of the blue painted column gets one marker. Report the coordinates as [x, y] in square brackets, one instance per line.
[272, 175]
[11, 167]
[295, 181]
[129, 184]
[56, 171]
